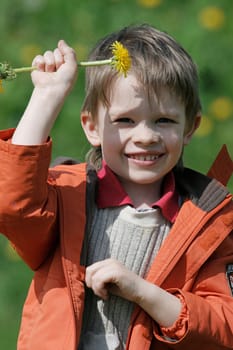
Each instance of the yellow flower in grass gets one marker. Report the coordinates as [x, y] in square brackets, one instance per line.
[10, 252]
[222, 108]
[205, 128]
[212, 17]
[81, 50]
[149, 3]
[121, 60]
[28, 52]
[1, 88]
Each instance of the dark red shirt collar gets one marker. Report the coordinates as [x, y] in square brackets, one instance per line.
[111, 193]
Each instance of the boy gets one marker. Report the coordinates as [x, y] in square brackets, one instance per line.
[149, 239]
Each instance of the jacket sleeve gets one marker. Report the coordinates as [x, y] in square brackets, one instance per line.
[206, 319]
[28, 202]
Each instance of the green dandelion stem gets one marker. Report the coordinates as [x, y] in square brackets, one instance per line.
[95, 63]
[81, 64]
[24, 69]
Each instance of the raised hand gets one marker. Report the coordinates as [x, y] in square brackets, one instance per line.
[53, 78]
[57, 69]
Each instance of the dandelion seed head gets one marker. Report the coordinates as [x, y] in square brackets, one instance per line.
[1, 88]
[6, 71]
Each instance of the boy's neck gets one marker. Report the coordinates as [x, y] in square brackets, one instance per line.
[143, 196]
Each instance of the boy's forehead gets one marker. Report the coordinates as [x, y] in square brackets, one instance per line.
[128, 94]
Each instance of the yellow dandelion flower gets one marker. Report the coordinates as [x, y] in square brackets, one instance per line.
[222, 108]
[205, 128]
[10, 252]
[81, 49]
[28, 52]
[212, 17]
[121, 59]
[1, 87]
[149, 3]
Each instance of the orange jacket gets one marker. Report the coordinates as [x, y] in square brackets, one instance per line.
[45, 216]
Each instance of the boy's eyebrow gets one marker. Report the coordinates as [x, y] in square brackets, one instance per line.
[165, 113]
[119, 111]
[169, 113]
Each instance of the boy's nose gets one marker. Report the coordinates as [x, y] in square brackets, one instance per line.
[145, 134]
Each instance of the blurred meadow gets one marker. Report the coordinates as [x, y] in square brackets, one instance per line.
[29, 27]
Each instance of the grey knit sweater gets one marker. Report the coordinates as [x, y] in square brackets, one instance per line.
[133, 238]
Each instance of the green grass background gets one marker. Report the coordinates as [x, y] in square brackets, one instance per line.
[29, 27]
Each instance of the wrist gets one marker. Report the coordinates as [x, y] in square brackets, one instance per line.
[161, 305]
[55, 95]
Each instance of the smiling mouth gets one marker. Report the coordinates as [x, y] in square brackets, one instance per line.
[144, 158]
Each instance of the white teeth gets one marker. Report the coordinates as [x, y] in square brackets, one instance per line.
[145, 157]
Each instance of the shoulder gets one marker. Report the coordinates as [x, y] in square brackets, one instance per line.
[203, 191]
[71, 172]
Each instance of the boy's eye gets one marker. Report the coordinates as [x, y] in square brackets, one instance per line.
[123, 120]
[165, 120]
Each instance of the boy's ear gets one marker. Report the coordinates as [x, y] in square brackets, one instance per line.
[189, 133]
[90, 128]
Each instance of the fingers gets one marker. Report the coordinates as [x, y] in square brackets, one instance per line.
[112, 277]
[51, 61]
[58, 58]
[97, 280]
[39, 62]
[103, 277]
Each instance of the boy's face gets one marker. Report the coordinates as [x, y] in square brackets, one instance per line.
[141, 141]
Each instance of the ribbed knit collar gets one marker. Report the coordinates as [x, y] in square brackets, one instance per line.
[110, 193]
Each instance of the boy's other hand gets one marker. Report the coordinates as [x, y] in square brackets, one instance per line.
[111, 276]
